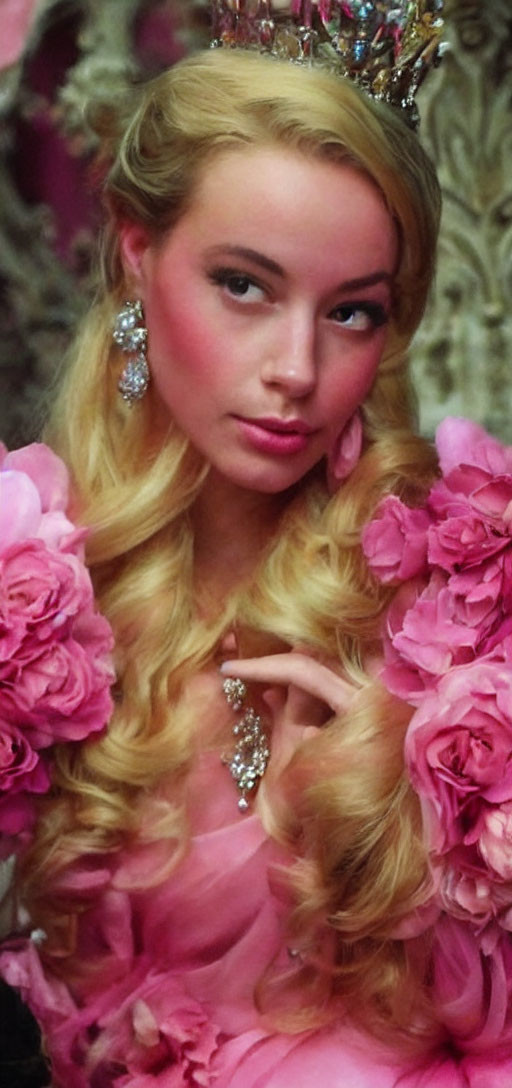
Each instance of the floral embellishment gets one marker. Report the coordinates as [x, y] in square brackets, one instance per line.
[55, 667]
[156, 1034]
[448, 652]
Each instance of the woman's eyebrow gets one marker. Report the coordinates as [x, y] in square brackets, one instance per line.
[367, 281]
[249, 254]
[245, 252]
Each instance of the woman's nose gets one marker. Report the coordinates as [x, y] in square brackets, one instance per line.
[291, 359]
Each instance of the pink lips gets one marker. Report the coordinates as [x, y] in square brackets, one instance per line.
[275, 435]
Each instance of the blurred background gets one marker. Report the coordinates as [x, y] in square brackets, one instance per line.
[56, 54]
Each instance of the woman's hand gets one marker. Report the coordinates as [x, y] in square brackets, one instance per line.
[301, 695]
[295, 670]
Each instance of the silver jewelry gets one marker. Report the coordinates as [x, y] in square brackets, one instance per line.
[248, 760]
[130, 334]
[235, 692]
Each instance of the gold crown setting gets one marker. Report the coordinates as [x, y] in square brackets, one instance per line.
[385, 47]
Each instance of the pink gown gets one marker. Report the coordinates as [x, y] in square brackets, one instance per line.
[173, 1004]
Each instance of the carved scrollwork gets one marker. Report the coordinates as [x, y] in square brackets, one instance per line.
[462, 354]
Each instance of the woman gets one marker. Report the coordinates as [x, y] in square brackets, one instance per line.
[203, 927]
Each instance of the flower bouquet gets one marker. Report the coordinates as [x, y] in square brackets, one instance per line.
[55, 667]
[448, 653]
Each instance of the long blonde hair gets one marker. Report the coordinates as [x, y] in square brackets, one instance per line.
[350, 814]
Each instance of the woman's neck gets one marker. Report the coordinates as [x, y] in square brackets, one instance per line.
[232, 526]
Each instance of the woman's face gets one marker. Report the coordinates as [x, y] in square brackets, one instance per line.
[267, 309]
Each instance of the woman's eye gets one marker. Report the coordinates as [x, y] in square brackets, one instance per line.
[239, 286]
[359, 317]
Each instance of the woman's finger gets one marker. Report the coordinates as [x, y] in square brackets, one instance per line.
[298, 669]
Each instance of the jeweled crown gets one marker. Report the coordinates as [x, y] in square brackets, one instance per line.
[385, 46]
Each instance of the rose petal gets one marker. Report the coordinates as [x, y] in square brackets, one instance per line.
[46, 470]
[20, 508]
[463, 442]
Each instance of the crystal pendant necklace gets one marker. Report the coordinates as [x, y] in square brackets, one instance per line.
[250, 754]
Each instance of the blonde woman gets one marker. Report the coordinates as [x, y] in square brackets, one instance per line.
[270, 245]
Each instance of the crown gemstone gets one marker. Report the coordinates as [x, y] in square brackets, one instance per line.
[385, 46]
[360, 50]
[363, 10]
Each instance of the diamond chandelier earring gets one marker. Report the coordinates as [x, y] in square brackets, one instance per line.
[131, 335]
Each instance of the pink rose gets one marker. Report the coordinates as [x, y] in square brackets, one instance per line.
[22, 774]
[424, 638]
[461, 542]
[478, 596]
[494, 498]
[17, 818]
[449, 496]
[497, 644]
[33, 497]
[451, 621]
[468, 887]
[458, 750]
[55, 666]
[63, 692]
[20, 766]
[495, 840]
[431, 637]
[40, 590]
[477, 471]
[467, 895]
[469, 490]
[505, 563]
[46, 471]
[462, 442]
[20, 508]
[395, 542]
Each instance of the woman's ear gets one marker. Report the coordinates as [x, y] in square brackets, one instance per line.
[133, 245]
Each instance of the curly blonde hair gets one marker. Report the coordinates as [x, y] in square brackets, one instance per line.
[345, 809]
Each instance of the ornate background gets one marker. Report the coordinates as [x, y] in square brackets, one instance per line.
[56, 53]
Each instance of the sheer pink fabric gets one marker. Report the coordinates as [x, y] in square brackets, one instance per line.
[173, 1003]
